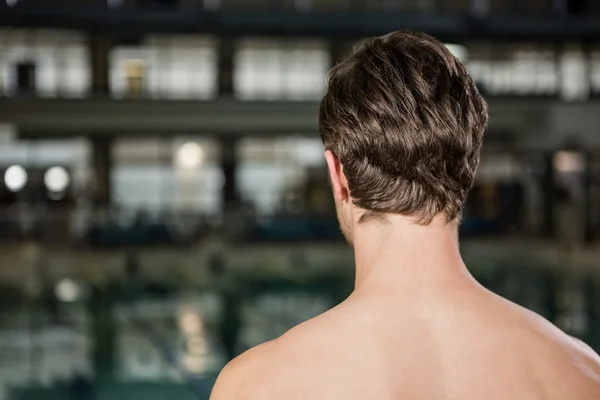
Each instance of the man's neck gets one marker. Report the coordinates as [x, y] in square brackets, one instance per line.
[399, 254]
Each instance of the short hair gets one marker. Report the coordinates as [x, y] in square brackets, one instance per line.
[406, 121]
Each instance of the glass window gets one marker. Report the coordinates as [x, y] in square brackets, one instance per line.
[166, 67]
[271, 70]
[270, 170]
[525, 70]
[575, 84]
[59, 62]
[167, 175]
[42, 153]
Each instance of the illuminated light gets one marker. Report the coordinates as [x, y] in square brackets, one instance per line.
[191, 324]
[15, 178]
[196, 345]
[11, 3]
[56, 179]
[568, 161]
[189, 156]
[195, 364]
[68, 290]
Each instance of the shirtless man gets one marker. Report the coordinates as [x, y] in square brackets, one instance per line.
[402, 123]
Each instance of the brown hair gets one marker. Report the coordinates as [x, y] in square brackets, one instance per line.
[406, 121]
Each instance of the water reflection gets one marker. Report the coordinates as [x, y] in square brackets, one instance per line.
[167, 339]
[173, 342]
[36, 350]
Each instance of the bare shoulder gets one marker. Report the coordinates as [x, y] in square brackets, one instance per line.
[582, 371]
[573, 357]
[276, 368]
[242, 378]
[577, 348]
[587, 357]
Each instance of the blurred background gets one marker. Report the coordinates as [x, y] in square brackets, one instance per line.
[164, 203]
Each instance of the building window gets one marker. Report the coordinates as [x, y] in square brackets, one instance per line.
[156, 175]
[166, 67]
[50, 63]
[277, 70]
[273, 173]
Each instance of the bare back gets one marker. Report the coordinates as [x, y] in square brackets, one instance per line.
[402, 123]
[474, 346]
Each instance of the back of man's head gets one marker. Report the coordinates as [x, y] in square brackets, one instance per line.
[406, 121]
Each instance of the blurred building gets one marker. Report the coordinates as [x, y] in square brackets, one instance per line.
[160, 107]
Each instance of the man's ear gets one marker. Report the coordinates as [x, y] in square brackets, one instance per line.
[339, 183]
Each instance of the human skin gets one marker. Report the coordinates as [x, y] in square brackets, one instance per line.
[417, 326]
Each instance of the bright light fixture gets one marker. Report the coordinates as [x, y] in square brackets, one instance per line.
[68, 290]
[189, 156]
[15, 178]
[191, 323]
[569, 161]
[56, 179]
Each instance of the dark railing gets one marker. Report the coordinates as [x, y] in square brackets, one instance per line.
[119, 229]
[111, 229]
[539, 7]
